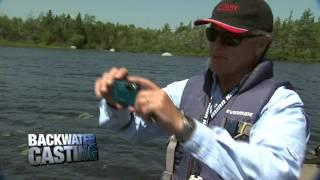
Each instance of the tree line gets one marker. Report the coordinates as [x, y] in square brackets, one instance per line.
[297, 40]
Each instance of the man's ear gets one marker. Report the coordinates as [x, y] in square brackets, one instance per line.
[262, 44]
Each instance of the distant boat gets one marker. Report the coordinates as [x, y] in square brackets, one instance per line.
[166, 54]
[73, 47]
[112, 50]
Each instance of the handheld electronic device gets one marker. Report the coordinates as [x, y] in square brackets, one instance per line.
[124, 92]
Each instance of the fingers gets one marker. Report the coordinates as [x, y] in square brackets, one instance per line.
[103, 85]
[97, 91]
[147, 84]
[144, 105]
[109, 77]
[122, 73]
[103, 88]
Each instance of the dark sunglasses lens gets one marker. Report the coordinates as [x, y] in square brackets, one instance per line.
[230, 41]
[226, 39]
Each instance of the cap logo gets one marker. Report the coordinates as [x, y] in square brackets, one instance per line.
[229, 7]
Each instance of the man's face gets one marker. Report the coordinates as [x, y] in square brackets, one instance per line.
[229, 60]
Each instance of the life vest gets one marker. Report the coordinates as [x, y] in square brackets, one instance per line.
[237, 115]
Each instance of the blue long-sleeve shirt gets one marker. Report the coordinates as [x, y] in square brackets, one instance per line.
[275, 150]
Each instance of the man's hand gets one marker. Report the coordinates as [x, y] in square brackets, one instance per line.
[103, 85]
[152, 102]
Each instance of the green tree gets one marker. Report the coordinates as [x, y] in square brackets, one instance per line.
[297, 39]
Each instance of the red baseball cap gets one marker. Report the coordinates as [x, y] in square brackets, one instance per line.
[241, 16]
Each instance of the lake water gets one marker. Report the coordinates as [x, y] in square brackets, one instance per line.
[51, 91]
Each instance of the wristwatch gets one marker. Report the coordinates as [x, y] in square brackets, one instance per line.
[189, 126]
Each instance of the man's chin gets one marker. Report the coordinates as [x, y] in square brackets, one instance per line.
[220, 70]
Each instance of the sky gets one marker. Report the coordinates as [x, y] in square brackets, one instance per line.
[143, 13]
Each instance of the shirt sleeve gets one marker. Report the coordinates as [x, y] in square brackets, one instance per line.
[133, 127]
[275, 150]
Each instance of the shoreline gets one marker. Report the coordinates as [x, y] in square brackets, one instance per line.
[64, 47]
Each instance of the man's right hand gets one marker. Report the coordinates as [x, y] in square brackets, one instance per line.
[103, 85]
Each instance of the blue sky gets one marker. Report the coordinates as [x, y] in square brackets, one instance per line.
[143, 13]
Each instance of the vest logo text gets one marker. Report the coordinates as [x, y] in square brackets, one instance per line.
[241, 113]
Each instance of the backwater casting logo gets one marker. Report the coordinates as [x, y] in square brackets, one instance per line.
[61, 148]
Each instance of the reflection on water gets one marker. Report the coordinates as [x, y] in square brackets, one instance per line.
[51, 91]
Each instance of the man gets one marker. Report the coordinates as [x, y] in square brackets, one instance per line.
[233, 122]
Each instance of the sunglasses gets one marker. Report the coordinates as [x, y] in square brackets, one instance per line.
[226, 38]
